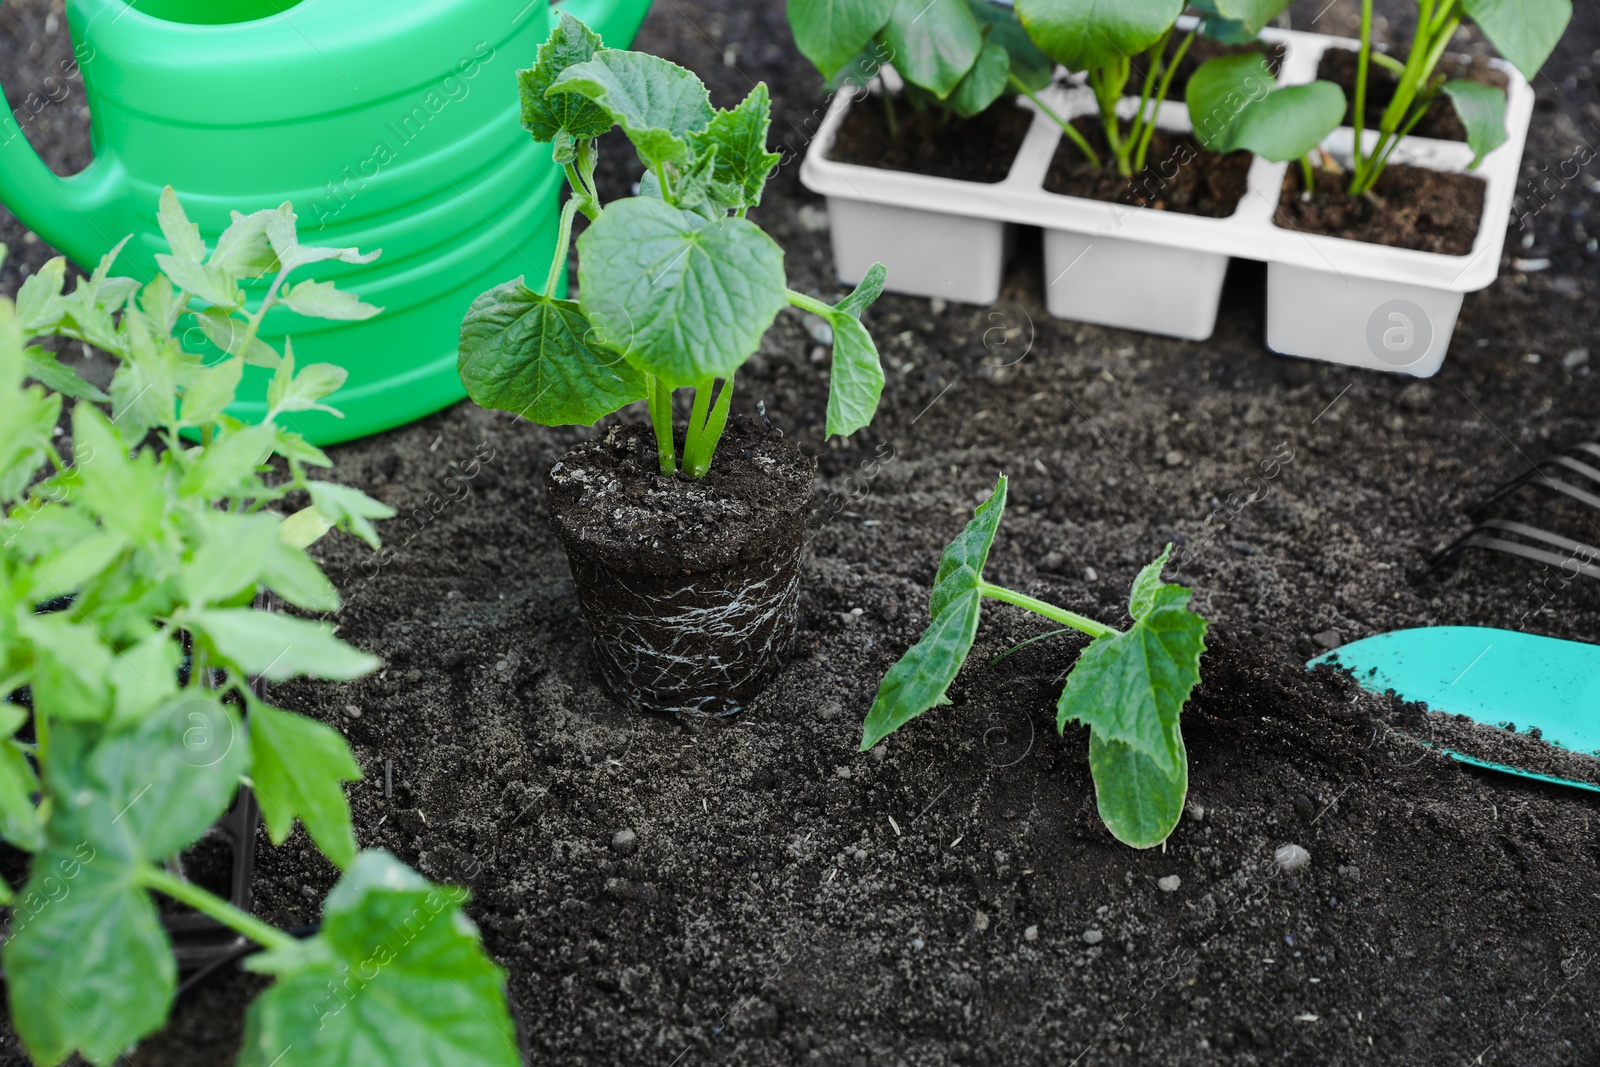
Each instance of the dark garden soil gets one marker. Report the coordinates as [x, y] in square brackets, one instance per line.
[1339, 66]
[1409, 207]
[754, 891]
[1179, 175]
[979, 149]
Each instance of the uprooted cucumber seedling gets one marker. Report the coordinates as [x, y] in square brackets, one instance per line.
[129, 571]
[1129, 686]
[676, 286]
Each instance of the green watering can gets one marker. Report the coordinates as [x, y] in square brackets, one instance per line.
[391, 125]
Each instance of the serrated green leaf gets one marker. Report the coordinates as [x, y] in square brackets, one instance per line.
[680, 296]
[243, 249]
[128, 495]
[277, 647]
[1251, 16]
[228, 556]
[1524, 31]
[71, 669]
[538, 357]
[350, 510]
[143, 678]
[1086, 34]
[298, 768]
[19, 819]
[233, 337]
[39, 297]
[210, 283]
[570, 115]
[324, 300]
[933, 43]
[1482, 110]
[304, 390]
[44, 368]
[183, 236]
[92, 970]
[66, 568]
[210, 391]
[740, 139]
[984, 83]
[856, 382]
[657, 103]
[919, 680]
[292, 255]
[831, 32]
[1001, 26]
[1147, 584]
[1138, 801]
[229, 465]
[144, 389]
[304, 528]
[1131, 686]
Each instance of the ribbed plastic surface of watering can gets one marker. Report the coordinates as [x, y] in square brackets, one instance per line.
[390, 125]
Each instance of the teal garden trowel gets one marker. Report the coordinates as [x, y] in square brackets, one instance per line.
[1495, 677]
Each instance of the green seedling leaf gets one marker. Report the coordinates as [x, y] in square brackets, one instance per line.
[1524, 31]
[566, 114]
[1086, 34]
[1250, 16]
[1029, 66]
[1130, 686]
[397, 969]
[128, 495]
[144, 389]
[984, 83]
[71, 671]
[44, 368]
[1147, 585]
[304, 389]
[350, 510]
[298, 767]
[277, 647]
[204, 280]
[921, 677]
[210, 390]
[739, 139]
[856, 384]
[143, 678]
[233, 337]
[90, 969]
[183, 236]
[1235, 103]
[19, 819]
[1138, 801]
[243, 250]
[291, 254]
[1482, 110]
[538, 357]
[933, 43]
[680, 296]
[324, 300]
[229, 466]
[39, 297]
[830, 33]
[657, 103]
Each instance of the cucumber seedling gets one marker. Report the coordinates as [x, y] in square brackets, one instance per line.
[676, 286]
[1129, 686]
[955, 56]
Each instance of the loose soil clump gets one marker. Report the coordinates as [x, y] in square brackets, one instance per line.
[932, 142]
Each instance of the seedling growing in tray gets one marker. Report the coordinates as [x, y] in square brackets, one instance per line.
[121, 733]
[1524, 31]
[1122, 44]
[677, 286]
[1129, 686]
[958, 56]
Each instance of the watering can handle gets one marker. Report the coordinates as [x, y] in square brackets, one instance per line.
[72, 214]
[616, 21]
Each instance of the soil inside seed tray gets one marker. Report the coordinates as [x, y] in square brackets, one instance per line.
[1179, 175]
[1339, 65]
[932, 142]
[1409, 207]
[788, 900]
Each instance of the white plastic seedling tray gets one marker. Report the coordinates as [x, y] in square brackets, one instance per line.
[1159, 271]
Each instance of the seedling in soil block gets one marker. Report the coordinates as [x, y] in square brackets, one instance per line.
[1123, 44]
[677, 286]
[1524, 31]
[127, 721]
[955, 56]
[1129, 686]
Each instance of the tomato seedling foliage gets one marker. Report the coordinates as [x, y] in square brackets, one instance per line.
[1129, 686]
[676, 286]
[129, 578]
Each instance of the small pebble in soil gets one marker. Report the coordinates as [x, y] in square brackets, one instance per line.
[1292, 857]
[1031, 934]
[1052, 562]
[937, 306]
[1304, 807]
[1197, 812]
[624, 841]
[1329, 639]
[1575, 358]
[1093, 937]
[860, 855]
[830, 710]
[1173, 458]
[820, 331]
[842, 772]
[813, 218]
[1090, 574]
[307, 892]
[818, 354]
[980, 922]
[917, 943]
[1170, 883]
[352, 711]
[880, 753]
